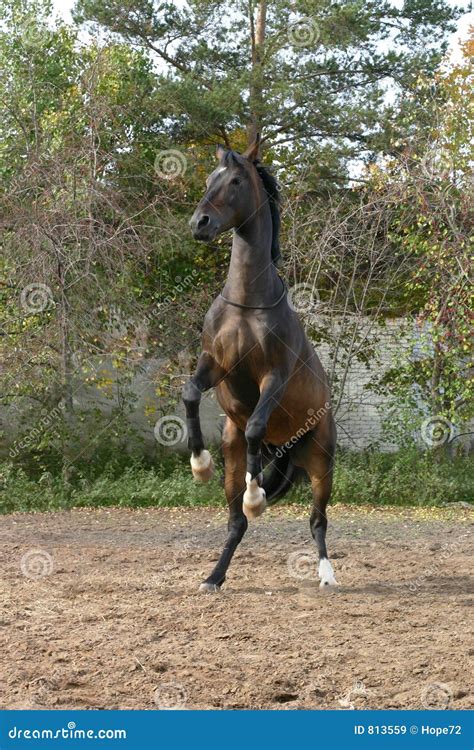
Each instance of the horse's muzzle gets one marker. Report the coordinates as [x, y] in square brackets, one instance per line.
[202, 227]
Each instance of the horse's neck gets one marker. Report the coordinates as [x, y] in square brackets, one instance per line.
[252, 279]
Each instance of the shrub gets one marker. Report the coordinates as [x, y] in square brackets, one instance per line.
[408, 477]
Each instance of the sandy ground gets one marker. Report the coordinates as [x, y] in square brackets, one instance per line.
[100, 609]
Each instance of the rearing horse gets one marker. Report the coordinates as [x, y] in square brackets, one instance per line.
[255, 353]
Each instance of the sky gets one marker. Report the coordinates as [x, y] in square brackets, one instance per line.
[63, 8]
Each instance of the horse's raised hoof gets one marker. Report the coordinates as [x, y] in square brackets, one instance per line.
[326, 574]
[202, 466]
[255, 499]
[209, 588]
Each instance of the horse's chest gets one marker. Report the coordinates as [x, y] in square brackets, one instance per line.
[237, 346]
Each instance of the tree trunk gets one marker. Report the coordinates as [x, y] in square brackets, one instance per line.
[67, 386]
[257, 36]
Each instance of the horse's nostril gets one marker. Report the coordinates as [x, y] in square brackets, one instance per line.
[203, 222]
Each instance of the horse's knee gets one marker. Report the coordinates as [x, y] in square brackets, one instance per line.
[191, 394]
[254, 434]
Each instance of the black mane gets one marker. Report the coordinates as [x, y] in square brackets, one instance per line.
[271, 187]
[272, 190]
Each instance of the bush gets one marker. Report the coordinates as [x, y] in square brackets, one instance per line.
[404, 478]
[408, 477]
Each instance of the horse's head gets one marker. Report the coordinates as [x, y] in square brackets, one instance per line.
[233, 189]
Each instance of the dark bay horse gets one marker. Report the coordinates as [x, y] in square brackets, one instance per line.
[255, 353]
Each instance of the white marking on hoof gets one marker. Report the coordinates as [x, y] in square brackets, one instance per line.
[326, 574]
[255, 499]
[209, 588]
[202, 466]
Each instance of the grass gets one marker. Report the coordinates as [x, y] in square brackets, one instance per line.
[407, 478]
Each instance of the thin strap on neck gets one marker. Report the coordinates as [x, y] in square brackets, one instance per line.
[258, 307]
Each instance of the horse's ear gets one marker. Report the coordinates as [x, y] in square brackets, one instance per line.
[220, 151]
[252, 153]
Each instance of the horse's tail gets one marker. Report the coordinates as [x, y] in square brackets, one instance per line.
[281, 475]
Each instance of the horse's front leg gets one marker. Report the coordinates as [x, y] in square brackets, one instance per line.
[271, 391]
[208, 374]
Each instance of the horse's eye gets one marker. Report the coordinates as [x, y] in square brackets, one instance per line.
[235, 181]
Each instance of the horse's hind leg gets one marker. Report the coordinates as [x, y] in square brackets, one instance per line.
[319, 462]
[321, 485]
[234, 449]
[207, 375]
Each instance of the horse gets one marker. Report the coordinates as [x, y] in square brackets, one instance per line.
[265, 372]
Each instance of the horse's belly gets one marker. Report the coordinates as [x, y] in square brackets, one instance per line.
[289, 420]
[285, 427]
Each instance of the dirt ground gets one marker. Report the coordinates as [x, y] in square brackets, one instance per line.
[100, 609]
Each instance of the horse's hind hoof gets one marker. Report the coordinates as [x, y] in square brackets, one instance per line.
[202, 466]
[252, 512]
[255, 499]
[209, 588]
[326, 574]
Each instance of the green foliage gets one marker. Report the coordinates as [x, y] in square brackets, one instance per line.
[315, 77]
[407, 477]
[166, 484]
[85, 213]
[404, 478]
[81, 210]
[432, 228]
